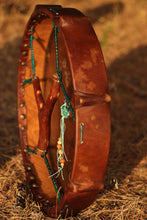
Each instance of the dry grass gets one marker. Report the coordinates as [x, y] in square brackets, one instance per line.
[118, 201]
[121, 28]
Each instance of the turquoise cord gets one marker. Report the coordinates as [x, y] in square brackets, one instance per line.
[32, 59]
[64, 114]
[59, 73]
[30, 151]
[27, 81]
[51, 175]
[82, 126]
[32, 52]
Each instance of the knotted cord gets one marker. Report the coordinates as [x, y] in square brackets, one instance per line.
[32, 52]
[32, 59]
[59, 73]
[64, 114]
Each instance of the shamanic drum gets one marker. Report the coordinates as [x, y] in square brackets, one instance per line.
[63, 110]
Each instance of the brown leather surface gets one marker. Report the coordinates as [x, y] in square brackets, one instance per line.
[85, 81]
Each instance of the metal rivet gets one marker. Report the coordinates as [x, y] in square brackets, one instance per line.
[24, 53]
[22, 116]
[34, 185]
[26, 45]
[32, 177]
[21, 105]
[25, 150]
[21, 84]
[23, 63]
[23, 128]
[29, 168]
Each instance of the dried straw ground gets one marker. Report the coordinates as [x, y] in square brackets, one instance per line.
[121, 28]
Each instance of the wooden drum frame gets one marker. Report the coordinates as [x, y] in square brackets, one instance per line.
[63, 110]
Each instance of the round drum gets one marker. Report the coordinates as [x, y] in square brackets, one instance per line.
[63, 110]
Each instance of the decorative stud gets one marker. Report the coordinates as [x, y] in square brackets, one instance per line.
[21, 84]
[107, 98]
[22, 116]
[24, 53]
[32, 177]
[26, 45]
[21, 105]
[29, 168]
[40, 197]
[34, 20]
[34, 185]
[23, 63]
[25, 150]
[23, 128]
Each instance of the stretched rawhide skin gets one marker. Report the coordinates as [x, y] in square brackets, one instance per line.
[63, 110]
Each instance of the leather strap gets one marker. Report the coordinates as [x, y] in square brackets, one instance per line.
[88, 137]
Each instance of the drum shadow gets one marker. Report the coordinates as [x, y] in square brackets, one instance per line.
[9, 137]
[127, 78]
[104, 10]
